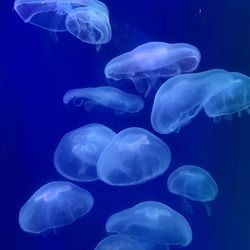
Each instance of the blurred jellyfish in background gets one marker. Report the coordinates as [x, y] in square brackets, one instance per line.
[116, 99]
[182, 97]
[54, 205]
[88, 20]
[235, 98]
[151, 222]
[194, 183]
[90, 23]
[78, 151]
[149, 61]
[118, 242]
[133, 156]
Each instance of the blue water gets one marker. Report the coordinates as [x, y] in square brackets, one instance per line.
[35, 72]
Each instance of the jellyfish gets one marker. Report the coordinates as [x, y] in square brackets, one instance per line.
[151, 222]
[194, 183]
[90, 23]
[147, 62]
[182, 97]
[133, 156]
[110, 97]
[235, 98]
[77, 153]
[54, 205]
[118, 242]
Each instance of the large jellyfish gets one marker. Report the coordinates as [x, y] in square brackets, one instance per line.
[133, 156]
[152, 222]
[194, 183]
[54, 205]
[235, 98]
[111, 97]
[152, 60]
[90, 23]
[118, 242]
[182, 97]
[78, 151]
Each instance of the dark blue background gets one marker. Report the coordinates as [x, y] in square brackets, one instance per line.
[35, 72]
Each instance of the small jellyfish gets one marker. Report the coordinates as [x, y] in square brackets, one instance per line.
[182, 97]
[78, 151]
[151, 222]
[110, 97]
[149, 61]
[90, 23]
[133, 156]
[54, 205]
[118, 242]
[194, 183]
[235, 98]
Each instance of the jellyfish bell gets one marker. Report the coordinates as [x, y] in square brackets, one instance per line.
[147, 62]
[182, 97]
[151, 222]
[55, 204]
[90, 23]
[193, 183]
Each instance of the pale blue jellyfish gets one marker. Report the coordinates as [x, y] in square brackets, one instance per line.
[78, 151]
[152, 60]
[235, 98]
[152, 222]
[118, 242]
[114, 98]
[90, 23]
[54, 205]
[194, 183]
[133, 156]
[182, 97]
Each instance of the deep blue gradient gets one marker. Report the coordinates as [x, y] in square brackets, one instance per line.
[35, 72]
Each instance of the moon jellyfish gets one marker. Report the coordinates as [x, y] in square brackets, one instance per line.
[182, 97]
[90, 23]
[47, 14]
[78, 151]
[133, 156]
[235, 98]
[152, 222]
[118, 242]
[54, 205]
[152, 60]
[110, 97]
[194, 183]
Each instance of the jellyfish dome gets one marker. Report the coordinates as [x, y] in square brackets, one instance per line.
[233, 99]
[54, 205]
[152, 222]
[133, 156]
[77, 153]
[193, 182]
[182, 97]
[152, 60]
[118, 242]
[90, 23]
[114, 98]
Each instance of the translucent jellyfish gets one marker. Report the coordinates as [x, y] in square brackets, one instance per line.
[194, 183]
[133, 156]
[90, 23]
[152, 60]
[118, 242]
[54, 205]
[152, 222]
[47, 14]
[182, 97]
[78, 151]
[111, 97]
[233, 99]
